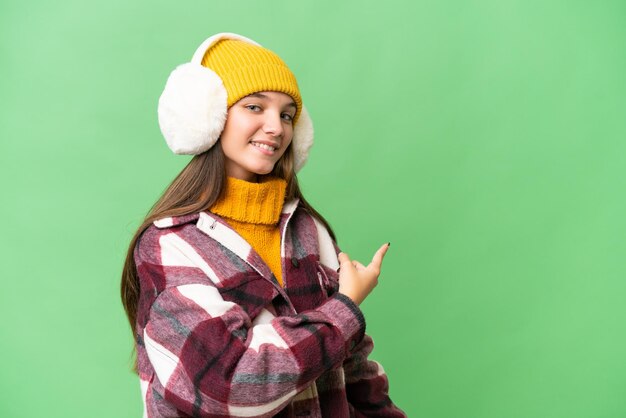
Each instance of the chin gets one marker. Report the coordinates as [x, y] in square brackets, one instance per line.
[262, 171]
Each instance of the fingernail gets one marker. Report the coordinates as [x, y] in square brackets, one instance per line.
[338, 268]
[388, 244]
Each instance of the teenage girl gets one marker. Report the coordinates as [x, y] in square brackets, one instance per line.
[240, 302]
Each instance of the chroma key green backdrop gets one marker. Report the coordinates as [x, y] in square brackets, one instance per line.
[485, 139]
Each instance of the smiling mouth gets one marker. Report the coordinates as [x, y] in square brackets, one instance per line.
[263, 146]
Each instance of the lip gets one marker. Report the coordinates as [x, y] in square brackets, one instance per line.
[268, 143]
[266, 152]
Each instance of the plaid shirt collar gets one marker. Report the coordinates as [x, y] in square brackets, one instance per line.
[218, 229]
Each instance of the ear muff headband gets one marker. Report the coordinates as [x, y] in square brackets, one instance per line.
[192, 109]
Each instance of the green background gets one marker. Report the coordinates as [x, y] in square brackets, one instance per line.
[485, 139]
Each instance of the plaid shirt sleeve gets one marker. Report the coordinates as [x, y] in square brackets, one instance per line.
[367, 386]
[212, 359]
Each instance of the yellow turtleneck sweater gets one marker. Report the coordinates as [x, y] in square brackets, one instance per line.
[253, 210]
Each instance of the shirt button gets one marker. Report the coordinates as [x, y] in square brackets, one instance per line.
[294, 262]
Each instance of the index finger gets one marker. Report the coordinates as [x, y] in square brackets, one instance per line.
[379, 255]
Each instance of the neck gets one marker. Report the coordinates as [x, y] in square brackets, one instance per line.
[241, 174]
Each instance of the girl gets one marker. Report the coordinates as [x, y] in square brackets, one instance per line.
[232, 283]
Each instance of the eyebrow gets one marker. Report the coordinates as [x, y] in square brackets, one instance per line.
[263, 96]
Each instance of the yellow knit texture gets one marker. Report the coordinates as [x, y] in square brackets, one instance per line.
[245, 69]
[253, 210]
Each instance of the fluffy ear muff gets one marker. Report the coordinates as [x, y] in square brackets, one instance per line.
[192, 109]
[302, 139]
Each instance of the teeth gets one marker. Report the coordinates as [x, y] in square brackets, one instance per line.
[267, 147]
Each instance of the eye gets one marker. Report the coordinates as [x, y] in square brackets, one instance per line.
[287, 117]
[253, 107]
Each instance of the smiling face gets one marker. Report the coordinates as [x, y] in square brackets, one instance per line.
[258, 130]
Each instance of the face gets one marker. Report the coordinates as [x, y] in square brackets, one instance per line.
[258, 130]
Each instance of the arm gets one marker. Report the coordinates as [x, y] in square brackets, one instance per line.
[367, 385]
[212, 359]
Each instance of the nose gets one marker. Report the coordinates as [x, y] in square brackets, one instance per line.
[273, 125]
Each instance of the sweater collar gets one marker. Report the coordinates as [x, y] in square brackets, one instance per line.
[256, 203]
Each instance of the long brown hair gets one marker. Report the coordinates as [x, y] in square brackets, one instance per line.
[196, 188]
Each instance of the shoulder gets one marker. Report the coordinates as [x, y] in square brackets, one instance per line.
[151, 240]
[174, 251]
[173, 221]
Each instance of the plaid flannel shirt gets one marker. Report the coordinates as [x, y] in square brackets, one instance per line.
[217, 336]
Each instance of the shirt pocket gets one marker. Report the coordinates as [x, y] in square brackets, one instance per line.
[251, 291]
[328, 278]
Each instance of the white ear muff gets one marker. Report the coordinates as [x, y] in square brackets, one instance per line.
[192, 109]
[302, 139]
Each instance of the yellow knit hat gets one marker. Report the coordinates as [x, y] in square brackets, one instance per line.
[246, 68]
